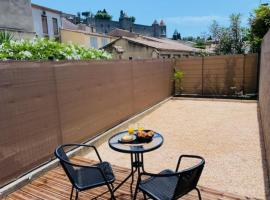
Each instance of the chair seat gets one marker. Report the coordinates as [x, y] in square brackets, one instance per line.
[160, 187]
[87, 178]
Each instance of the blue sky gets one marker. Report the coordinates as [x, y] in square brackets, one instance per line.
[189, 17]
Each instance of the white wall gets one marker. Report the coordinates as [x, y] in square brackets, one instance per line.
[37, 13]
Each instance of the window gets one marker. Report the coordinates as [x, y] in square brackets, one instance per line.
[104, 41]
[55, 26]
[93, 42]
[44, 24]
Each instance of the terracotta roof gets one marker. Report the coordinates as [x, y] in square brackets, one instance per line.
[120, 32]
[87, 33]
[157, 43]
[162, 44]
[66, 24]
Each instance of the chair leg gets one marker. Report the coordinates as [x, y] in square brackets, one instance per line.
[71, 195]
[112, 186]
[136, 192]
[199, 193]
[77, 195]
[111, 191]
[144, 196]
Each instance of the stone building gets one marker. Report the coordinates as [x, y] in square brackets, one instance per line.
[125, 22]
[83, 35]
[47, 21]
[16, 17]
[134, 46]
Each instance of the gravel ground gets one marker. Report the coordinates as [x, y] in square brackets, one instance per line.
[226, 134]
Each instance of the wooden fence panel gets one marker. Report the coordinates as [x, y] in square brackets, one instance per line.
[192, 68]
[219, 75]
[93, 96]
[29, 123]
[251, 73]
[44, 104]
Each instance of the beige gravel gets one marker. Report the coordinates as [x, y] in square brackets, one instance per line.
[226, 134]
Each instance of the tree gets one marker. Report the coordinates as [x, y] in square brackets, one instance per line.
[102, 14]
[78, 18]
[86, 14]
[214, 30]
[176, 35]
[132, 19]
[259, 25]
[229, 40]
[237, 34]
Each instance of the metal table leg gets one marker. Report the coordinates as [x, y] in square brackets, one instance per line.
[136, 166]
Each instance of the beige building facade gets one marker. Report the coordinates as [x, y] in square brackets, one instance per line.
[85, 38]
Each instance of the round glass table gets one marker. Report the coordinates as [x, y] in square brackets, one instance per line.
[136, 150]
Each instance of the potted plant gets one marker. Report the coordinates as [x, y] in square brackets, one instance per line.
[178, 77]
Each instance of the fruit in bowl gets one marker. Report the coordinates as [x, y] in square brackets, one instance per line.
[145, 135]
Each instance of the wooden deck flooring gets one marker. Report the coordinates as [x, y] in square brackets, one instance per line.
[54, 185]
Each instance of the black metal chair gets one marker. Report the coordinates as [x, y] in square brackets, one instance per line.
[170, 185]
[84, 177]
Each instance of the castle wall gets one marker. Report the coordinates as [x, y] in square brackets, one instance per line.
[105, 26]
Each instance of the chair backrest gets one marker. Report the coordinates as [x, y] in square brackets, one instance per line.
[188, 179]
[65, 162]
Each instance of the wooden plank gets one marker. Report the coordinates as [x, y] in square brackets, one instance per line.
[54, 185]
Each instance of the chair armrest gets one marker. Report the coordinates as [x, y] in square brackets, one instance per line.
[88, 146]
[158, 175]
[186, 156]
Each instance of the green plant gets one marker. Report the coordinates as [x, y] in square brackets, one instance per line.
[259, 25]
[132, 19]
[230, 40]
[5, 36]
[178, 77]
[44, 49]
[103, 14]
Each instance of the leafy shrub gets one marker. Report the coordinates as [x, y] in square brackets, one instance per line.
[44, 49]
[5, 36]
[178, 77]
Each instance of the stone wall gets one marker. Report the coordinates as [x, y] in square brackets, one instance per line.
[16, 15]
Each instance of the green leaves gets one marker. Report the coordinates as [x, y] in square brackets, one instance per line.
[44, 49]
[259, 25]
[178, 77]
[103, 14]
[5, 36]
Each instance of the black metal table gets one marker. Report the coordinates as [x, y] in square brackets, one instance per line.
[136, 151]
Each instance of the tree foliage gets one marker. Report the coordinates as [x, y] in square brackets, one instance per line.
[176, 35]
[259, 25]
[229, 40]
[103, 14]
